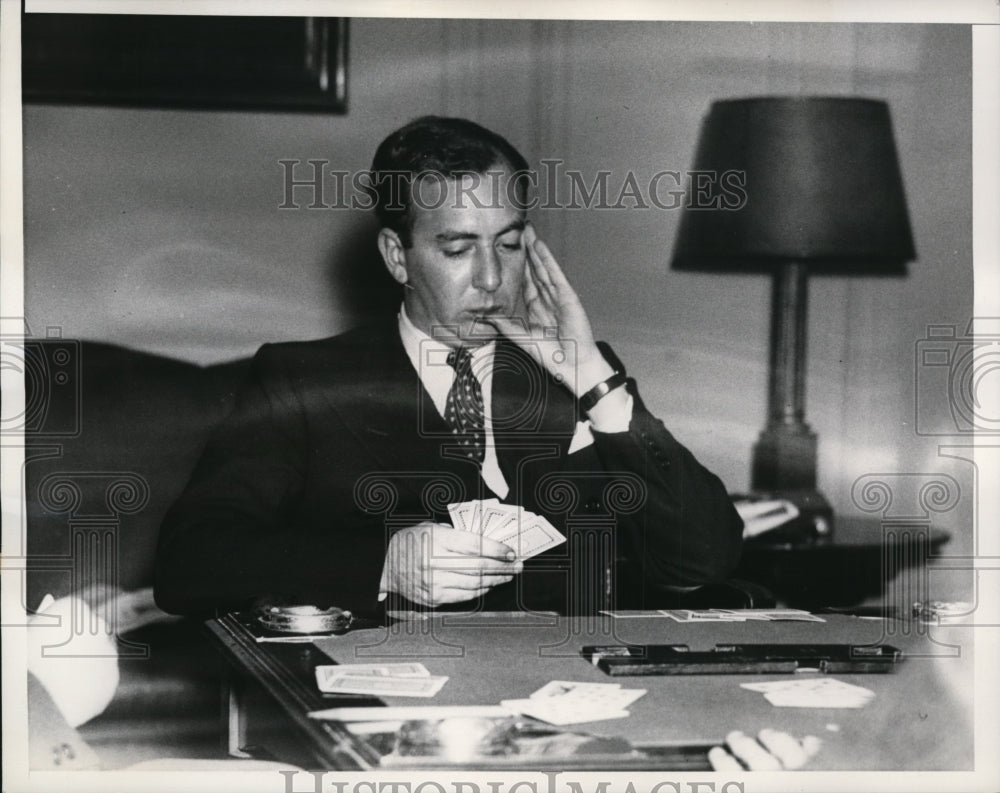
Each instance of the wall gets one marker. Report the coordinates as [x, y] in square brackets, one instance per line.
[161, 229]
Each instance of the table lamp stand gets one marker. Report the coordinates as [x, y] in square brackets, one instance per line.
[784, 457]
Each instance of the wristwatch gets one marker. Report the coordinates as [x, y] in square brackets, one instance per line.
[601, 390]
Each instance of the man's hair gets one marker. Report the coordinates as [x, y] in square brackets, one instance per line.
[444, 147]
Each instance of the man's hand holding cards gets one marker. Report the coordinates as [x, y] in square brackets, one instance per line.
[432, 563]
[527, 533]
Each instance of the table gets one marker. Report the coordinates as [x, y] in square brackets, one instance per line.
[916, 721]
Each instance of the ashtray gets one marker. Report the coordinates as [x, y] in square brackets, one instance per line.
[303, 619]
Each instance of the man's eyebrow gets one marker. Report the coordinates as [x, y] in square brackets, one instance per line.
[514, 225]
[455, 236]
[452, 236]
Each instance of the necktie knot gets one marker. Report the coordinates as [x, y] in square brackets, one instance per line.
[460, 360]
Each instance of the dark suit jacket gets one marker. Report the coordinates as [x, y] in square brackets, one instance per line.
[333, 445]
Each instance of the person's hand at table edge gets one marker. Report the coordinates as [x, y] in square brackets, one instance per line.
[773, 750]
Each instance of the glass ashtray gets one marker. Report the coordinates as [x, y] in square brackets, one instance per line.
[303, 619]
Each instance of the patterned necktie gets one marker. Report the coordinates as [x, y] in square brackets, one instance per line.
[463, 410]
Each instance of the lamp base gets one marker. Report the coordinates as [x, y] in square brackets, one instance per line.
[784, 466]
[784, 458]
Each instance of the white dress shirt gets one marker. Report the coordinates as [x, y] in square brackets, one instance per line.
[429, 357]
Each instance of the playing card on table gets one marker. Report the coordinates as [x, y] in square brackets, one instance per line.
[592, 695]
[706, 615]
[633, 614]
[775, 615]
[567, 702]
[770, 685]
[385, 686]
[554, 711]
[813, 692]
[326, 673]
[558, 688]
[740, 615]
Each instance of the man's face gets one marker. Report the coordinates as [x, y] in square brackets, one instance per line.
[466, 262]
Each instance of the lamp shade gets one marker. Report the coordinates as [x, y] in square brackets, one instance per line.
[813, 180]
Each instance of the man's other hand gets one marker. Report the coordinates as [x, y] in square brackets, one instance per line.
[773, 750]
[432, 564]
[555, 330]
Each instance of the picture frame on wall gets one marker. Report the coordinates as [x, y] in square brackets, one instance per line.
[206, 62]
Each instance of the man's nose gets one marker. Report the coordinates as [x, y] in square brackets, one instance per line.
[488, 274]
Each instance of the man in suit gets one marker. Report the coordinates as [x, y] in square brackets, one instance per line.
[329, 483]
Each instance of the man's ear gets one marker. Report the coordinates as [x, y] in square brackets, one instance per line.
[393, 254]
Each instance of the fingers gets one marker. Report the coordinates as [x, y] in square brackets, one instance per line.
[773, 750]
[453, 595]
[433, 563]
[539, 257]
[811, 745]
[451, 587]
[447, 540]
[468, 580]
[789, 752]
[752, 754]
[539, 277]
[532, 333]
[517, 331]
[478, 565]
[549, 271]
[471, 544]
[436, 587]
[530, 289]
[555, 301]
[721, 760]
[444, 547]
[491, 549]
[432, 587]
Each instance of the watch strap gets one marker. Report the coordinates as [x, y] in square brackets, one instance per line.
[601, 390]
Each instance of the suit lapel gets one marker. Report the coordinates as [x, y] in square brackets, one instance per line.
[393, 417]
[532, 412]
[390, 414]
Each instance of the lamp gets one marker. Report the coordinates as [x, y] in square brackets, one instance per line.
[813, 185]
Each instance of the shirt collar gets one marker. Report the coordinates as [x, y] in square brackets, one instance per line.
[429, 357]
[427, 353]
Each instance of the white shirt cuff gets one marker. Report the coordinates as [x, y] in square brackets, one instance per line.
[616, 419]
[612, 414]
